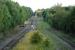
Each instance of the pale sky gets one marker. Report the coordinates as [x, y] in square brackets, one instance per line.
[39, 4]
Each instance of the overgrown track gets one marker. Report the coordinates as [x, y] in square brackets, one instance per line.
[14, 39]
[68, 41]
[65, 40]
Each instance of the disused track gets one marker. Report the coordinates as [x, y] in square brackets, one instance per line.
[64, 40]
[26, 29]
[68, 41]
[13, 40]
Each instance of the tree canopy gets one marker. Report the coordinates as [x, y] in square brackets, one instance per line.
[12, 14]
[60, 17]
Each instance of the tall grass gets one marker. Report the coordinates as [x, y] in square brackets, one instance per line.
[34, 40]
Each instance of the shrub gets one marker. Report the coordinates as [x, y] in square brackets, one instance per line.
[36, 38]
[46, 42]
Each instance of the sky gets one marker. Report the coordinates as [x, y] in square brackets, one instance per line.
[40, 4]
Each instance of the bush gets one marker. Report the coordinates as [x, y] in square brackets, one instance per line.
[46, 42]
[36, 38]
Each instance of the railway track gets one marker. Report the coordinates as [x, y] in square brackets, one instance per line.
[13, 40]
[9, 43]
[71, 44]
[68, 41]
[61, 43]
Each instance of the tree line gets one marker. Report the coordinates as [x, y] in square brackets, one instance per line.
[12, 14]
[60, 17]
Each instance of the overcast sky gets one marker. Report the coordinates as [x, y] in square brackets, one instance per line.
[39, 4]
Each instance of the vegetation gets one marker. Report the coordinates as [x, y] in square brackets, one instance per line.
[54, 41]
[36, 38]
[57, 17]
[41, 39]
[60, 18]
[11, 15]
[30, 42]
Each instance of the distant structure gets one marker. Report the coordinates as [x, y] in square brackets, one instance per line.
[38, 12]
